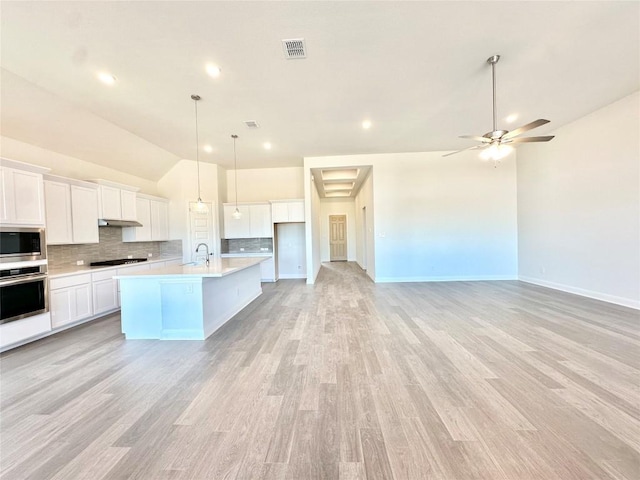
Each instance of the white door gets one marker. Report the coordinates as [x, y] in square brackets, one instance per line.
[338, 238]
[201, 229]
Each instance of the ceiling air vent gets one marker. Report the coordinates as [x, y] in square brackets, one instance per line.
[294, 48]
[251, 123]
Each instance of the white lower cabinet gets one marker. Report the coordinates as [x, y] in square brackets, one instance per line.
[71, 299]
[105, 291]
[267, 271]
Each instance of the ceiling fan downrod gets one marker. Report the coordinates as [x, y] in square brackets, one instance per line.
[492, 60]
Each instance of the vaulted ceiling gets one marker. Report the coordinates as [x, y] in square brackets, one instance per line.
[416, 70]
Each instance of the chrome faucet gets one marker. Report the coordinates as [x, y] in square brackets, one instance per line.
[206, 249]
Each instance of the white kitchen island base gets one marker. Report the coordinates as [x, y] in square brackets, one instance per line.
[187, 302]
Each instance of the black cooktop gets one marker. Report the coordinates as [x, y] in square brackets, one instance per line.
[119, 261]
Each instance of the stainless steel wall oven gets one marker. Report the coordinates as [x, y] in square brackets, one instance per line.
[23, 291]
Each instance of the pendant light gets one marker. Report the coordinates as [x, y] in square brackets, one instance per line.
[199, 206]
[236, 214]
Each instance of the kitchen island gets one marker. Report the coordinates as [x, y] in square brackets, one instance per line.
[187, 302]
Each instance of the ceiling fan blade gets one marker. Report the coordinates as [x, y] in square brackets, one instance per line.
[475, 147]
[525, 128]
[476, 138]
[530, 139]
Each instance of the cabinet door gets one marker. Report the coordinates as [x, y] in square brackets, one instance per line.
[237, 227]
[28, 198]
[84, 214]
[159, 220]
[260, 221]
[105, 296]
[5, 192]
[267, 271]
[57, 198]
[296, 211]
[128, 205]
[279, 212]
[83, 303]
[110, 203]
[61, 306]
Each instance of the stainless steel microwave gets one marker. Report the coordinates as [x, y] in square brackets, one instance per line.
[21, 244]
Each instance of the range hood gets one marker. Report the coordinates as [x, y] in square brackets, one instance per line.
[104, 222]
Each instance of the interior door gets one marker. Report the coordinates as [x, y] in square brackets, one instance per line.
[338, 238]
[200, 230]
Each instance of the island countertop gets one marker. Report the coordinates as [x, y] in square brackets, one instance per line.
[218, 267]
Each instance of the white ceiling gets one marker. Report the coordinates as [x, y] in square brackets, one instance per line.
[416, 69]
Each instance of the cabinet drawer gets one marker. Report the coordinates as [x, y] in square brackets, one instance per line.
[103, 274]
[71, 281]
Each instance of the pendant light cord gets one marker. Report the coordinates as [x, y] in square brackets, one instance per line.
[235, 167]
[195, 102]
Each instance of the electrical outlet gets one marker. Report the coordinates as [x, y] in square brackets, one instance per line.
[242, 249]
[129, 256]
[150, 255]
[80, 262]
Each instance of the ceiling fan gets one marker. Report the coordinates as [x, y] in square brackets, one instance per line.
[497, 143]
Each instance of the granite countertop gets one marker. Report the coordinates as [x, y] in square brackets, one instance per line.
[218, 267]
[80, 269]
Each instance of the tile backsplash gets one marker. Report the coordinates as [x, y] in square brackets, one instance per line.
[110, 247]
[250, 245]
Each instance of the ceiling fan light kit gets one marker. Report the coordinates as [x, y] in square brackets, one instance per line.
[496, 144]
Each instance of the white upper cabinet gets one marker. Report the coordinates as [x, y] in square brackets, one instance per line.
[237, 227]
[287, 211]
[84, 214]
[260, 220]
[57, 197]
[116, 201]
[128, 204]
[153, 214]
[159, 220]
[110, 203]
[71, 211]
[21, 194]
[255, 221]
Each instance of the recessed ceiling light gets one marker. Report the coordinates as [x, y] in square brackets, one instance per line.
[511, 118]
[366, 124]
[208, 148]
[213, 70]
[266, 145]
[107, 78]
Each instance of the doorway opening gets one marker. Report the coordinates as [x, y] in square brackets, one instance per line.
[364, 238]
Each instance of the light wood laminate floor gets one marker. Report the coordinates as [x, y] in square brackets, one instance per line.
[342, 380]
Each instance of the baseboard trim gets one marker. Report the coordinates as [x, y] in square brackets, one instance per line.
[625, 302]
[290, 276]
[444, 279]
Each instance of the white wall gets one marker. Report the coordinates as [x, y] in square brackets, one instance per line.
[365, 231]
[262, 184]
[579, 206]
[312, 226]
[70, 167]
[438, 218]
[331, 206]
